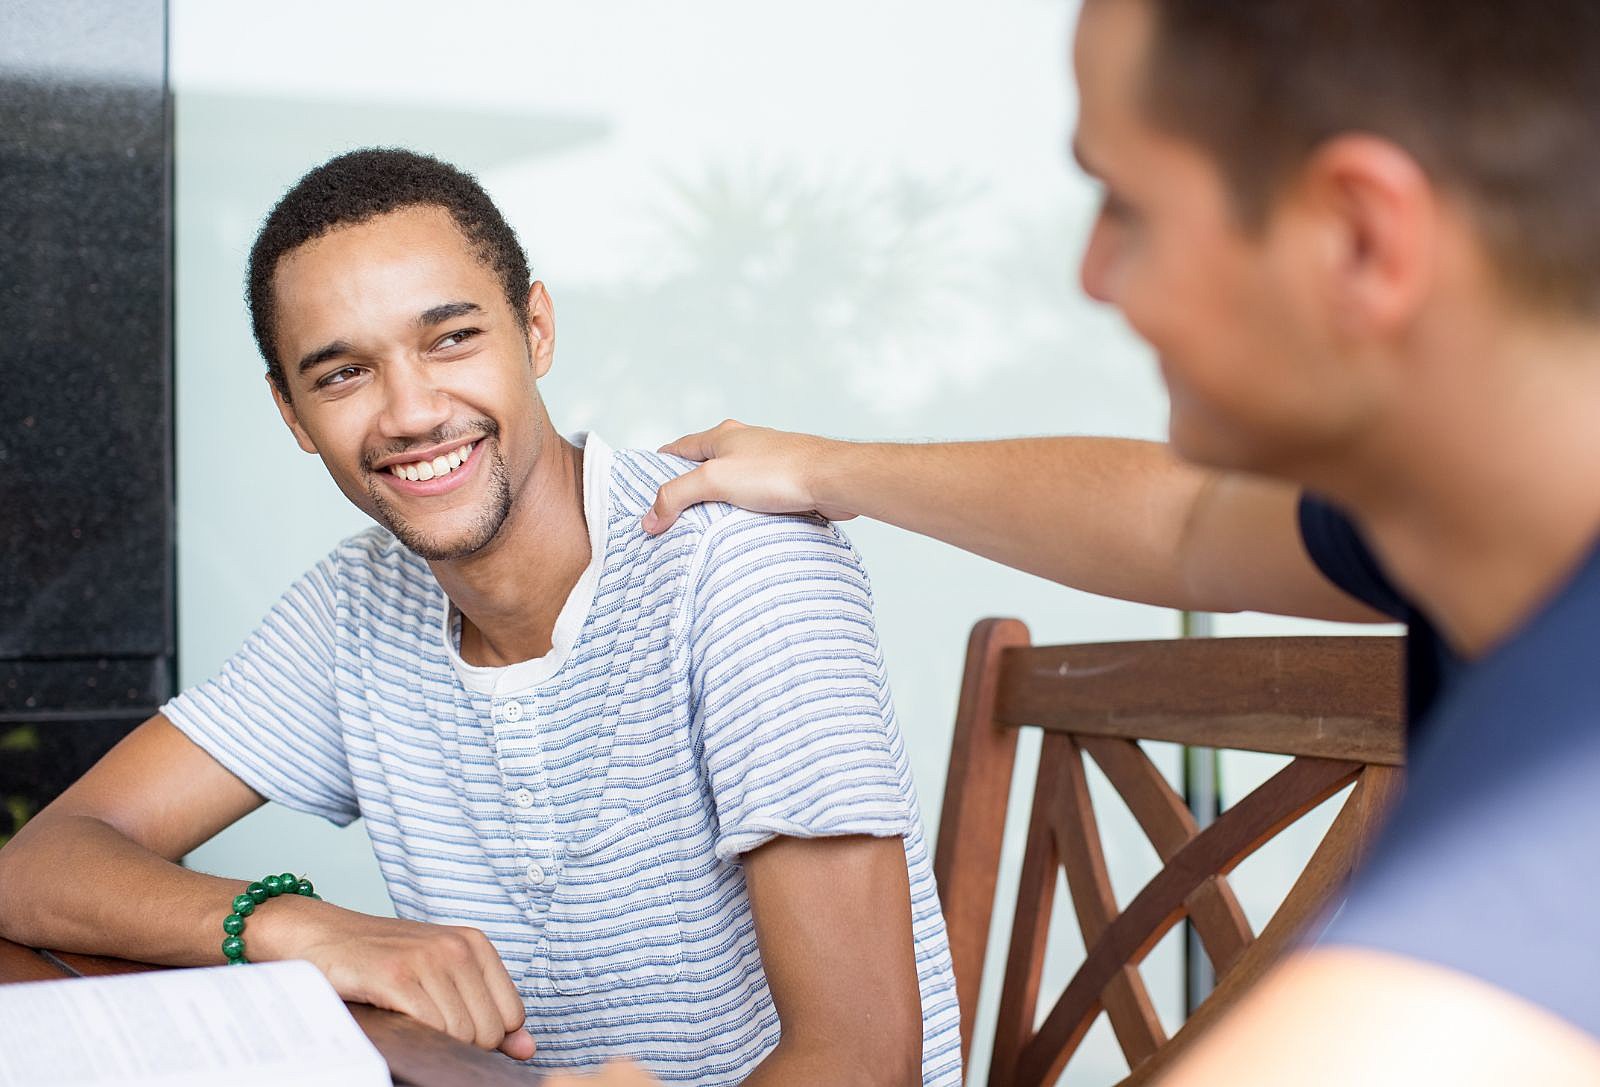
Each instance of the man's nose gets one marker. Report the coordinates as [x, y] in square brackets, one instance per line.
[413, 404]
[1094, 270]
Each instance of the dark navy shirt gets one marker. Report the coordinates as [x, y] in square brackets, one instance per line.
[1490, 864]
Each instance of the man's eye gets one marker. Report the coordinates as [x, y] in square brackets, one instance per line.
[337, 377]
[456, 338]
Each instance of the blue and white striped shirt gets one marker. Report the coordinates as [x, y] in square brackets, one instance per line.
[707, 690]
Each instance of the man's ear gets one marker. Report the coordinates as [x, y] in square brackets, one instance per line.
[541, 329]
[1375, 212]
[290, 419]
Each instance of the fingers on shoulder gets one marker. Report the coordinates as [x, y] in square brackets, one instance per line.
[678, 494]
[702, 444]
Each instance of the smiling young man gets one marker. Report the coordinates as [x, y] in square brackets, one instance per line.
[633, 795]
[1363, 238]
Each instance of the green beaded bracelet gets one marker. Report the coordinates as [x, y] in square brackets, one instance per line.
[245, 904]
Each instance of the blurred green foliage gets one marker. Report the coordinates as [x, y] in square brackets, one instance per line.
[21, 738]
[16, 745]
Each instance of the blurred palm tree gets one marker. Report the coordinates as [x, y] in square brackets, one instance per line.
[786, 285]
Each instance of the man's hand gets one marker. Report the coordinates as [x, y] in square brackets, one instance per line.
[768, 471]
[450, 978]
[622, 1074]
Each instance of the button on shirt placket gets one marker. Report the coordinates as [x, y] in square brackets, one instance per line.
[521, 761]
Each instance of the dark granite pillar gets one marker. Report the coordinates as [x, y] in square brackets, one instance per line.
[86, 536]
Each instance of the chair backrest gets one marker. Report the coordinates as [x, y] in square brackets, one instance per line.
[1332, 703]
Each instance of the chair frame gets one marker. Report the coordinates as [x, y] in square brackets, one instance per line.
[1332, 703]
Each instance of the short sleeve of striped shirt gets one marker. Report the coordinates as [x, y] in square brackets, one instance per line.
[791, 704]
[270, 716]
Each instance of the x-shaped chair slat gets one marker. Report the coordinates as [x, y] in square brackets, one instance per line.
[1064, 831]
[1071, 811]
[1169, 824]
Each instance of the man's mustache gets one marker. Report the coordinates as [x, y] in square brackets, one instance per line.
[480, 428]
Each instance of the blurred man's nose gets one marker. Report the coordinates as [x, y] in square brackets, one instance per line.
[1094, 270]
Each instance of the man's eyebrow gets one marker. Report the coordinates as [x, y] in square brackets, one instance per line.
[322, 355]
[446, 311]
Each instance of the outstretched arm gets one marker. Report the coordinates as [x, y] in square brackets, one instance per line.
[1110, 516]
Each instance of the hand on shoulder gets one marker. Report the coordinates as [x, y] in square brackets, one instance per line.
[764, 470]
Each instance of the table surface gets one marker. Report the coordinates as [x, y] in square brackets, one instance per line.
[418, 1056]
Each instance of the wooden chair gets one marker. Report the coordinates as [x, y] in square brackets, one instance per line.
[1333, 703]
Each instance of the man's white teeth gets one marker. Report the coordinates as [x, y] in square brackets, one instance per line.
[438, 466]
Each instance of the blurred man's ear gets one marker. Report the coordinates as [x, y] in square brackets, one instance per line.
[290, 419]
[1376, 213]
[541, 328]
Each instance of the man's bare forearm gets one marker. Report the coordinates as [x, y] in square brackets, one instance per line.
[74, 883]
[1110, 516]
[95, 871]
[1105, 515]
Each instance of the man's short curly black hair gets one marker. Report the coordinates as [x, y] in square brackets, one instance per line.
[361, 185]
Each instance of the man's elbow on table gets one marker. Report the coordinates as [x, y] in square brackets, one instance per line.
[24, 915]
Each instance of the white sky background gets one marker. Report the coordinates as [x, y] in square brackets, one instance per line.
[856, 218]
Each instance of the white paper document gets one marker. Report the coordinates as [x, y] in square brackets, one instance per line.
[265, 1023]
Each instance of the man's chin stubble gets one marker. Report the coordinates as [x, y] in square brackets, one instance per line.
[497, 507]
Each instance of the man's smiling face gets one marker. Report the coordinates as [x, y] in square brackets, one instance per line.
[410, 375]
